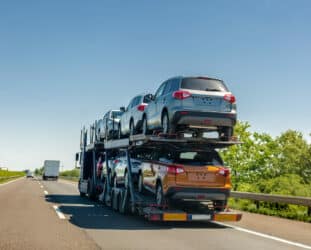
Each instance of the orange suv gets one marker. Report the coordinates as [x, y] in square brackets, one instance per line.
[185, 174]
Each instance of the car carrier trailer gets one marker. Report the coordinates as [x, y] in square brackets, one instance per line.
[127, 200]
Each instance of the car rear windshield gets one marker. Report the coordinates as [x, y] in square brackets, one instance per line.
[205, 84]
[199, 158]
[116, 114]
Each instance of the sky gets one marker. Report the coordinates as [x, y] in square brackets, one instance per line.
[63, 64]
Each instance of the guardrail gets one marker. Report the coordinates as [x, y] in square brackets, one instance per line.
[294, 200]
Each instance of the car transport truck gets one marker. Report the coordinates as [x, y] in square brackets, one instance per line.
[95, 182]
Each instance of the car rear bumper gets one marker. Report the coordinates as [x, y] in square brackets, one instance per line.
[180, 193]
[204, 119]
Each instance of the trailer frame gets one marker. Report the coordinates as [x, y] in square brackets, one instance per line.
[126, 199]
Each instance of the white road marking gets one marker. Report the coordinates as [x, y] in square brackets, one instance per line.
[46, 192]
[265, 236]
[59, 213]
[41, 186]
[6, 183]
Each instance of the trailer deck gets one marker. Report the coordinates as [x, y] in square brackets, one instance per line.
[128, 200]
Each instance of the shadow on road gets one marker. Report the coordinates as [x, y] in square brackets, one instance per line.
[93, 215]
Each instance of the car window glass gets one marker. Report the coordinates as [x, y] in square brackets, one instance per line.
[160, 90]
[203, 84]
[174, 85]
[137, 101]
[165, 156]
[167, 87]
[130, 105]
[147, 98]
[199, 158]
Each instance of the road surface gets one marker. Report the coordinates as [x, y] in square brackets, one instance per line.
[37, 214]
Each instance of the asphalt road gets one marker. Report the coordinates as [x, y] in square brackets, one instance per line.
[28, 220]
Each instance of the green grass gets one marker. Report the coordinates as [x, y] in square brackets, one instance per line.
[72, 175]
[6, 176]
[293, 212]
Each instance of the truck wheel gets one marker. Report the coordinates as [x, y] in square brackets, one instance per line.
[132, 129]
[220, 206]
[91, 190]
[126, 181]
[160, 200]
[141, 188]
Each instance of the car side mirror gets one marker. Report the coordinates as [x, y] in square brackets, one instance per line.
[152, 97]
[77, 156]
[122, 109]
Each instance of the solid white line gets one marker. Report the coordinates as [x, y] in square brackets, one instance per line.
[46, 192]
[265, 236]
[6, 183]
[59, 213]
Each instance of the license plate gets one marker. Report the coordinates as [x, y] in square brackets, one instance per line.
[200, 177]
[209, 101]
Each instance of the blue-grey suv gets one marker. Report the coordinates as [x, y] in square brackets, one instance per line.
[191, 104]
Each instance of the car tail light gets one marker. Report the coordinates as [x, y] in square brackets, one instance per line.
[224, 171]
[229, 98]
[141, 107]
[175, 169]
[181, 94]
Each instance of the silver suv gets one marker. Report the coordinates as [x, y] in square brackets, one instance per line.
[107, 128]
[131, 119]
[191, 104]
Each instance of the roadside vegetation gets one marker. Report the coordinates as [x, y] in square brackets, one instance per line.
[70, 174]
[263, 164]
[6, 175]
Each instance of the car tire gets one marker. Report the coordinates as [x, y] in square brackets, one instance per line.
[110, 178]
[132, 129]
[226, 133]
[140, 184]
[165, 123]
[119, 132]
[145, 129]
[160, 199]
[115, 182]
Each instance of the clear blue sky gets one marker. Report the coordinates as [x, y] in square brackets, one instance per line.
[64, 63]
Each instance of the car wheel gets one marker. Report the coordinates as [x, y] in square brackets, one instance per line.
[119, 132]
[132, 129]
[141, 183]
[226, 133]
[115, 182]
[126, 181]
[145, 126]
[165, 123]
[110, 178]
[160, 200]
